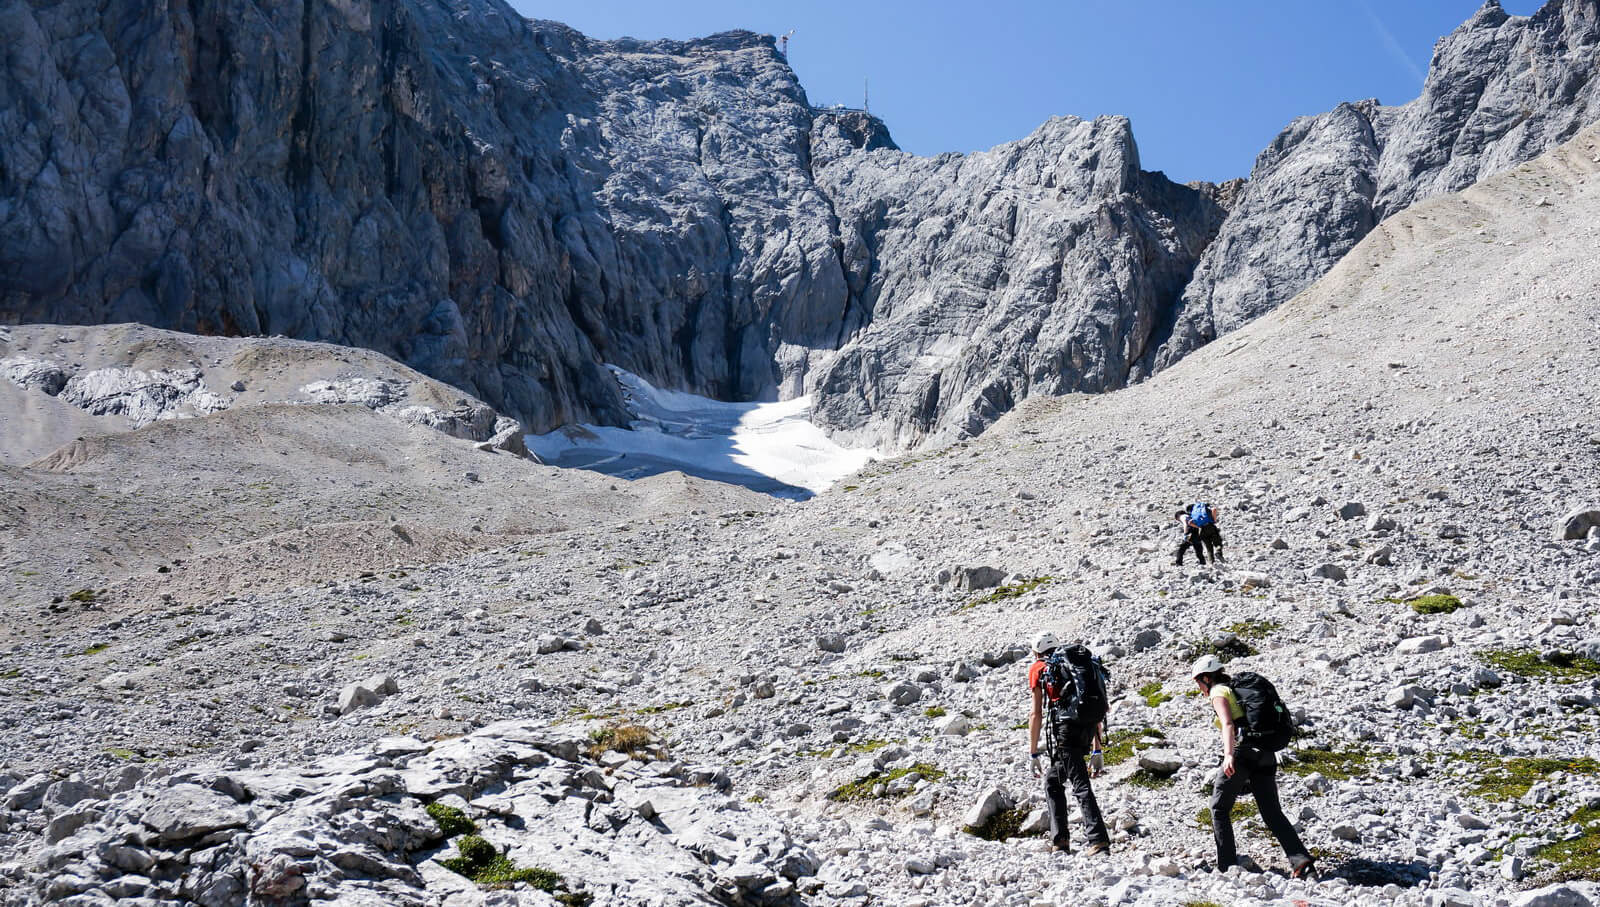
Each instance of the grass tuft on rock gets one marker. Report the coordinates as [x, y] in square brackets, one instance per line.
[1121, 745]
[451, 821]
[1254, 629]
[862, 788]
[1336, 765]
[632, 739]
[1578, 857]
[1503, 780]
[480, 862]
[1145, 778]
[1566, 667]
[1007, 823]
[1014, 590]
[1435, 604]
[1153, 695]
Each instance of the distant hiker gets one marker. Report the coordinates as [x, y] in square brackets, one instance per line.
[1191, 536]
[1254, 724]
[1199, 525]
[1073, 683]
[1204, 517]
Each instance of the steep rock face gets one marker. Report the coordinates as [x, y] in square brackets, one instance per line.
[1040, 266]
[1500, 91]
[507, 205]
[502, 204]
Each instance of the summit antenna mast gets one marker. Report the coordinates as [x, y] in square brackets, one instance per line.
[866, 100]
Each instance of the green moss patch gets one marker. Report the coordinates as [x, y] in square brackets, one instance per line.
[1435, 604]
[451, 821]
[1254, 629]
[1505, 779]
[1577, 857]
[862, 788]
[480, 862]
[1153, 695]
[1013, 590]
[1566, 667]
[1234, 647]
[1007, 823]
[1334, 764]
[936, 711]
[1142, 777]
[1120, 746]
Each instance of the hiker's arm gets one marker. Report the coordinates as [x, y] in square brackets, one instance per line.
[1225, 718]
[1033, 719]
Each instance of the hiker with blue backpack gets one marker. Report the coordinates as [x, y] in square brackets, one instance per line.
[1198, 523]
[1255, 725]
[1068, 685]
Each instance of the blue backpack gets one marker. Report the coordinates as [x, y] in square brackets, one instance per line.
[1200, 515]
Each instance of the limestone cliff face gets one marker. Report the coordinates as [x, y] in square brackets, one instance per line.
[506, 205]
[1040, 266]
[1500, 91]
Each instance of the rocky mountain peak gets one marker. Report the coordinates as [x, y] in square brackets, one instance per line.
[509, 206]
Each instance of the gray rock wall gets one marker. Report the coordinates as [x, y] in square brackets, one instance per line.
[507, 205]
[1500, 91]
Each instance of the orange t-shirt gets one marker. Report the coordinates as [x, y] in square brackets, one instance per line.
[1034, 674]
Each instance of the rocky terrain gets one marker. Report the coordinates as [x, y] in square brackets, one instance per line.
[677, 703]
[508, 206]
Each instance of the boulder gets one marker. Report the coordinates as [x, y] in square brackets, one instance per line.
[831, 642]
[902, 693]
[952, 726]
[1421, 645]
[1350, 510]
[186, 811]
[357, 696]
[1161, 762]
[971, 579]
[1577, 524]
[993, 800]
[1330, 571]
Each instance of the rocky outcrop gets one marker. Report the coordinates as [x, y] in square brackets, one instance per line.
[1040, 266]
[507, 206]
[1500, 90]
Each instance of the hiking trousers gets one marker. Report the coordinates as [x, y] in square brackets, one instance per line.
[1067, 767]
[1211, 536]
[1190, 537]
[1256, 772]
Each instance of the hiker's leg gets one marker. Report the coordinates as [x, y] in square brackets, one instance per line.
[1223, 793]
[1094, 824]
[1193, 538]
[1213, 539]
[1264, 784]
[1056, 799]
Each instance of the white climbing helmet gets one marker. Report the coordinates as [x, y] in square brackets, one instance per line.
[1208, 664]
[1044, 642]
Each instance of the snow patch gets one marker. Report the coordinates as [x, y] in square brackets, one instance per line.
[768, 447]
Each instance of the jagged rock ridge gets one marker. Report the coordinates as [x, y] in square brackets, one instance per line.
[1500, 90]
[506, 205]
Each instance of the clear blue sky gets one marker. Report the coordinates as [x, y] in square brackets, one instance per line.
[1207, 84]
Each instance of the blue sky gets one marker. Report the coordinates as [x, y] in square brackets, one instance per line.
[1207, 84]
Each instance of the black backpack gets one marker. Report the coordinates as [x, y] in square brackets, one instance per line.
[1267, 725]
[1075, 684]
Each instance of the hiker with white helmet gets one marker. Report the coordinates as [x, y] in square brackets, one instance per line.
[1254, 725]
[1073, 683]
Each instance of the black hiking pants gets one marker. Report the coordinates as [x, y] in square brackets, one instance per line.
[1211, 536]
[1067, 767]
[1256, 772]
[1191, 536]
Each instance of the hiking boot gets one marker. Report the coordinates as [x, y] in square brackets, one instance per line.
[1178, 562]
[1097, 848]
[1302, 868]
[1061, 844]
